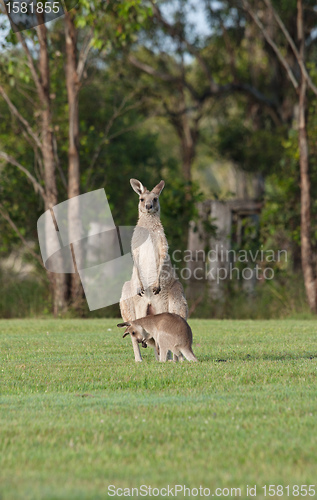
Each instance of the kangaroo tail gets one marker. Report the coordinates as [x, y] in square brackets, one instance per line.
[189, 355]
[150, 310]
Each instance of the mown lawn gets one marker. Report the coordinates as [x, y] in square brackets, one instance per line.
[77, 414]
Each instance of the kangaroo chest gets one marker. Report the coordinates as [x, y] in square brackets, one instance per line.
[148, 248]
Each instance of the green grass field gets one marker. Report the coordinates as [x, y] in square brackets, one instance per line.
[77, 413]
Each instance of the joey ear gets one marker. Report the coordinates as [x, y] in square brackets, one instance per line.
[125, 334]
[137, 186]
[123, 325]
[158, 188]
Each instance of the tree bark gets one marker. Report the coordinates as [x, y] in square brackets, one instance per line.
[73, 85]
[187, 130]
[188, 147]
[306, 245]
[301, 89]
[57, 280]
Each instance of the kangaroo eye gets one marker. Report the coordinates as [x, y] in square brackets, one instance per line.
[155, 199]
[133, 333]
[141, 199]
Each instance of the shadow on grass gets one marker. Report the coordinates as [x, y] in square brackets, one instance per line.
[263, 357]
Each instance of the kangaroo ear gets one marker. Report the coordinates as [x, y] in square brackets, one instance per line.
[159, 188]
[123, 325]
[137, 186]
[125, 334]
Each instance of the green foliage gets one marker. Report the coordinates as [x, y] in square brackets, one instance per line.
[179, 206]
[23, 297]
[77, 412]
[280, 221]
[119, 141]
[254, 150]
[115, 23]
[283, 297]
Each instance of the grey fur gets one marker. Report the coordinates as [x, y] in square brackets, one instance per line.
[170, 332]
[154, 287]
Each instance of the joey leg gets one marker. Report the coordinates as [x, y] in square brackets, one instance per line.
[163, 354]
[136, 349]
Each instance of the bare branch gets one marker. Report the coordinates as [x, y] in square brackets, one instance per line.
[258, 96]
[127, 129]
[292, 45]
[230, 50]
[34, 74]
[194, 304]
[37, 187]
[25, 94]
[16, 113]
[213, 88]
[83, 55]
[222, 90]
[29, 141]
[269, 40]
[41, 31]
[169, 78]
[174, 32]
[121, 110]
[58, 163]
[104, 141]
[7, 217]
[151, 71]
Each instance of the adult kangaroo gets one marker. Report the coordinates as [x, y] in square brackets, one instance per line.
[154, 287]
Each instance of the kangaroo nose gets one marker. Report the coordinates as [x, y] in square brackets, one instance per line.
[148, 206]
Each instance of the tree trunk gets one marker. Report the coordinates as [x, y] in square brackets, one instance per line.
[57, 281]
[188, 134]
[306, 246]
[72, 83]
[188, 155]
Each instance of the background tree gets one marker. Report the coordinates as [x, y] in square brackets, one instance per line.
[47, 161]
[299, 77]
[42, 140]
